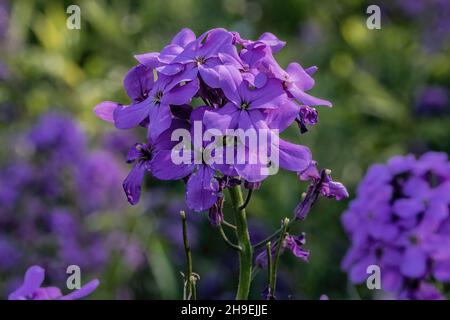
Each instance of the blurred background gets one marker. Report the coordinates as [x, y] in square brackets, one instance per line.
[61, 168]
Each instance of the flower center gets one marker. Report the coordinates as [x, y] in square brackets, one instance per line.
[413, 239]
[146, 152]
[200, 60]
[158, 96]
[245, 105]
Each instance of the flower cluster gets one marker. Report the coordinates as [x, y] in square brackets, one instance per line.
[400, 221]
[226, 83]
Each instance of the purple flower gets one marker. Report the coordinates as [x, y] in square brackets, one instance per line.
[163, 61]
[102, 177]
[216, 212]
[306, 116]
[295, 245]
[140, 155]
[202, 55]
[151, 100]
[433, 100]
[292, 243]
[400, 221]
[31, 288]
[298, 80]
[154, 158]
[321, 183]
[57, 137]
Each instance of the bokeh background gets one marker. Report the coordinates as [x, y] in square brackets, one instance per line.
[61, 168]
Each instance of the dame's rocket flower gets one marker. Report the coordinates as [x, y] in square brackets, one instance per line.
[292, 243]
[31, 288]
[200, 57]
[163, 61]
[153, 158]
[138, 83]
[321, 184]
[140, 155]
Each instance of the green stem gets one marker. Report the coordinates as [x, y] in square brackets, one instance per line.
[247, 199]
[188, 276]
[274, 235]
[273, 277]
[193, 280]
[227, 241]
[269, 265]
[246, 252]
[226, 223]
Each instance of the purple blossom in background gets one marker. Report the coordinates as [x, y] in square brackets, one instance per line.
[57, 139]
[102, 177]
[56, 188]
[433, 101]
[430, 15]
[400, 221]
[4, 19]
[31, 288]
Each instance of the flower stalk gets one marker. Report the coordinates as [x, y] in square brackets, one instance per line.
[243, 236]
[189, 278]
[269, 267]
[227, 241]
[274, 266]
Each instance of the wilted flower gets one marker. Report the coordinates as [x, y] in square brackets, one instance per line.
[292, 243]
[321, 183]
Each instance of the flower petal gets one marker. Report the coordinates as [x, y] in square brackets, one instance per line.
[298, 75]
[133, 182]
[184, 37]
[131, 116]
[202, 189]
[138, 82]
[34, 277]
[293, 157]
[105, 110]
[414, 263]
[160, 120]
[181, 94]
[307, 99]
[84, 291]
